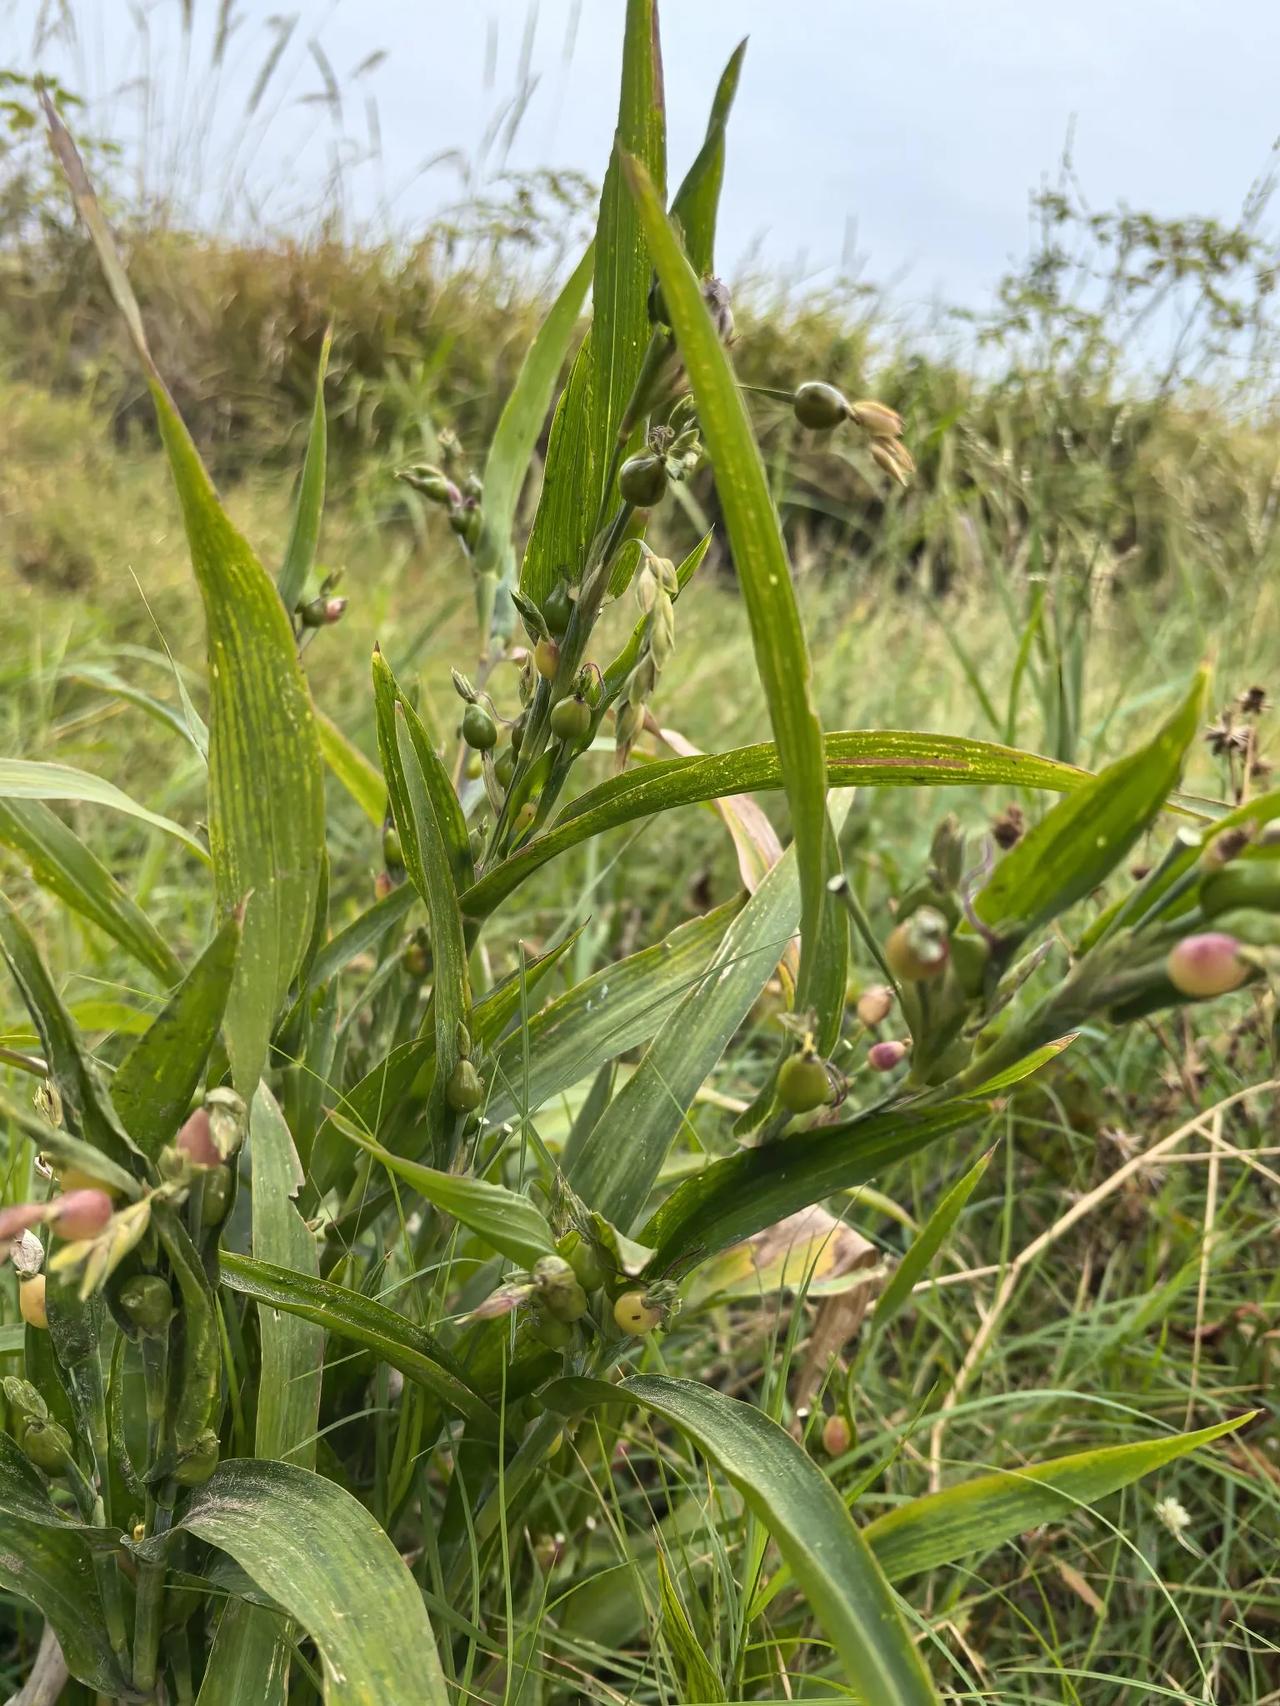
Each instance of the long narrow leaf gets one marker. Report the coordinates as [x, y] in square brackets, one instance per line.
[308, 510]
[876, 758]
[27, 779]
[755, 536]
[842, 1582]
[155, 1081]
[61, 863]
[266, 810]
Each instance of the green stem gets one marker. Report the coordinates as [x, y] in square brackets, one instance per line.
[148, 1617]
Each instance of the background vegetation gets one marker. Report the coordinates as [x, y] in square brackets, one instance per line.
[1087, 524]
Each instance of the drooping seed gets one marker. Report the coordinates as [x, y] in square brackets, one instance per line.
[1205, 965]
[478, 728]
[820, 406]
[883, 1057]
[875, 1004]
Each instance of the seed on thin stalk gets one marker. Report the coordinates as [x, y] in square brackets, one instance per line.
[820, 406]
[875, 1004]
[570, 719]
[642, 481]
[803, 1083]
[634, 1314]
[479, 729]
[546, 659]
[917, 949]
[884, 1056]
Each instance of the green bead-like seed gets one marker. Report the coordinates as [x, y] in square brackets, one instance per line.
[147, 1301]
[504, 768]
[392, 852]
[642, 481]
[47, 1445]
[803, 1084]
[478, 728]
[215, 1198]
[570, 719]
[819, 406]
[194, 1467]
[464, 1090]
[557, 608]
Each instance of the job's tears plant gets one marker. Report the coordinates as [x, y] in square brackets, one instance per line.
[261, 1212]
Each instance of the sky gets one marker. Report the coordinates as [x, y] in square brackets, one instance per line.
[907, 133]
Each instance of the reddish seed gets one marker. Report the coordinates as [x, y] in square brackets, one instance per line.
[883, 1057]
[837, 1436]
[1206, 965]
[875, 1004]
[18, 1219]
[196, 1142]
[80, 1214]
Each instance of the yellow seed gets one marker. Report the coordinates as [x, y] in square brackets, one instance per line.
[635, 1314]
[31, 1302]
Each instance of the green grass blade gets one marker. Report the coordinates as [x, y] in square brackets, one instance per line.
[27, 779]
[86, 1111]
[580, 454]
[308, 510]
[731, 1199]
[364, 1321]
[755, 537]
[316, 1551]
[292, 1348]
[830, 1560]
[920, 1253]
[615, 1009]
[1080, 842]
[876, 758]
[52, 1568]
[619, 1163]
[357, 775]
[697, 201]
[61, 864]
[249, 1658]
[154, 1084]
[977, 1515]
[516, 438]
[266, 785]
[506, 1221]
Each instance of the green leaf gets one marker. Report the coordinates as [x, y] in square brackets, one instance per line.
[697, 200]
[362, 934]
[920, 1253]
[266, 784]
[805, 1516]
[977, 1515]
[507, 1222]
[156, 1080]
[353, 770]
[304, 532]
[249, 1659]
[613, 1010]
[1081, 841]
[700, 1679]
[515, 440]
[759, 555]
[317, 1551]
[292, 1348]
[580, 454]
[730, 1199]
[350, 1315]
[52, 1568]
[86, 1110]
[619, 1163]
[25, 779]
[877, 758]
[61, 863]
[68, 1151]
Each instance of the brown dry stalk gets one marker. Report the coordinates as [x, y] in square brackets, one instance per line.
[1204, 1124]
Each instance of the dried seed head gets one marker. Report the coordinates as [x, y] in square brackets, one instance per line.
[228, 1120]
[1253, 701]
[1007, 828]
[894, 457]
[1205, 965]
[875, 1004]
[877, 420]
[27, 1255]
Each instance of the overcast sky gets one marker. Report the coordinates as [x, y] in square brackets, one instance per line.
[919, 125]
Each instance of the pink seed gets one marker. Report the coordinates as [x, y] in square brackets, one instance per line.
[883, 1057]
[1206, 965]
[196, 1142]
[80, 1214]
[18, 1219]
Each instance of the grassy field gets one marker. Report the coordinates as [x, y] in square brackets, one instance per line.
[1074, 546]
